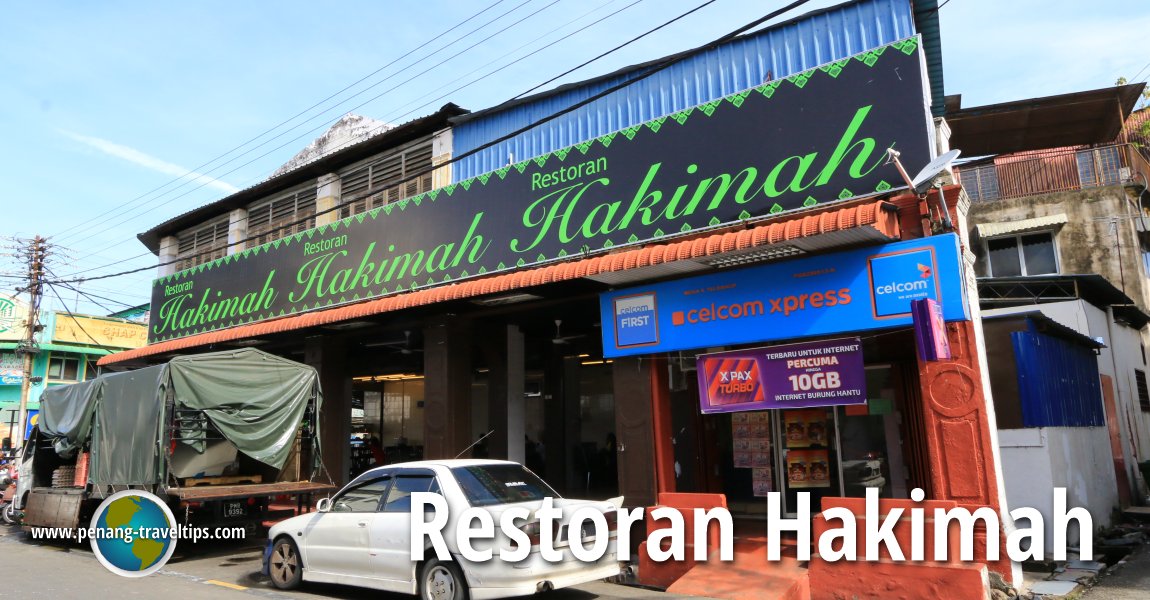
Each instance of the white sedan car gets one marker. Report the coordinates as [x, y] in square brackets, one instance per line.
[362, 535]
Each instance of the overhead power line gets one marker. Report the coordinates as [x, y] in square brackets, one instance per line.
[374, 131]
[326, 124]
[650, 71]
[89, 223]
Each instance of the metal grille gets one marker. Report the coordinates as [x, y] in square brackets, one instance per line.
[1048, 171]
[980, 182]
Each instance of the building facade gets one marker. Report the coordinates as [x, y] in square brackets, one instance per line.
[1058, 223]
[550, 299]
[66, 351]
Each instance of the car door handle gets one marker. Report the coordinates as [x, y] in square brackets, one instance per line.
[363, 524]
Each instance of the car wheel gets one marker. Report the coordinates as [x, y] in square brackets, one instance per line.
[285, 565]
[8, 515]
[442, 580]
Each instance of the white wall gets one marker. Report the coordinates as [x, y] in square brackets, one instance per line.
[1037, 460]
[1122, 355]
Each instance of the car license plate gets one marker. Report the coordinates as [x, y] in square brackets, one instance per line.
[235, 509]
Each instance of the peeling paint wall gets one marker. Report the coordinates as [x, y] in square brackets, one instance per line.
[1086, 244]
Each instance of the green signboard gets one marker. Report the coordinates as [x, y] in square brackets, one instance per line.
[814, 138]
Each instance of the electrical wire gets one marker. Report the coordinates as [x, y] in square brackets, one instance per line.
[75, 320]
[328, 124]
[64, 234]
[378, 130]
[652, 70]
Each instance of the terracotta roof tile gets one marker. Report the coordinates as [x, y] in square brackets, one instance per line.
[865, 214]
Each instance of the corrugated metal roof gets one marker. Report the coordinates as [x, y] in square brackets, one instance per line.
[773, 53]
[880, 225]
[987, 230]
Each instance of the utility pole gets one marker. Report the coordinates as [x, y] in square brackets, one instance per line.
[36, 253]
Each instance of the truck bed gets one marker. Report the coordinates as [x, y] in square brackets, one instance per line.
[224, 492]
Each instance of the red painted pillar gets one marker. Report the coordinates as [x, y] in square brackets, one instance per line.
[661, 413]
[958, 424]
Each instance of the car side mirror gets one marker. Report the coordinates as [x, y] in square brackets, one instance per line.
[323, 505]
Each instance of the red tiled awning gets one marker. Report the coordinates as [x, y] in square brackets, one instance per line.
[875, 219]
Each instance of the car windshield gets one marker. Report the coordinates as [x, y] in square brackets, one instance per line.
[485, 485]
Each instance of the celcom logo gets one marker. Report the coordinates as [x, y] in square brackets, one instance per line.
[897, 279]
[636, 322]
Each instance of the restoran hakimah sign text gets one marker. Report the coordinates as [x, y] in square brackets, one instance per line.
[826, 294]
[812, 138]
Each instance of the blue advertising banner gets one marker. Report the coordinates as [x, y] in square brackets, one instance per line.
[859, 290]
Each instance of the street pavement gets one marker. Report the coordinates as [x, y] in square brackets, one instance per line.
[57, 571]
[1130, 581]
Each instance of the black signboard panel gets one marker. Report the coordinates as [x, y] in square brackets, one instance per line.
[813, 138]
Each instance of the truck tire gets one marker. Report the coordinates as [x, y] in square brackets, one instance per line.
[442, 580]
[285, 566]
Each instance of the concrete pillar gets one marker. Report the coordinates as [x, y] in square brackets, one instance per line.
[441, 148]
[327, 196]
[506, 375]
[237, 230]
[447, 387]
[329, 356]
[515, 414]
[169, 250]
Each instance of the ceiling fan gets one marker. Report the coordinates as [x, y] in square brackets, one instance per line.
[564, 339]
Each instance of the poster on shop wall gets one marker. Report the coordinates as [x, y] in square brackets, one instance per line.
[809, 374]
[808, 469]
[751, 435]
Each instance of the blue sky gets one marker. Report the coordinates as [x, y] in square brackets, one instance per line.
[104, 102]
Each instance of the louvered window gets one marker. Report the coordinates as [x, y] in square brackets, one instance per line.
[202, 245]
[285, 215]
[380, 180]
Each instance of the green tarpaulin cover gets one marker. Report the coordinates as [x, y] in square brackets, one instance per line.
[129, 422]
[66, 414]
[256, 400]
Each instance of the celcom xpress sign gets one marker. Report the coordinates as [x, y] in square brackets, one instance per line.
[812, 138]
[858, 290]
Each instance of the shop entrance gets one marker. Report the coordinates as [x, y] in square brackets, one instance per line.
[826, 451]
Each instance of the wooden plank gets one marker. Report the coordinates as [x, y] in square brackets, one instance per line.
[222, 492]
[221, 480]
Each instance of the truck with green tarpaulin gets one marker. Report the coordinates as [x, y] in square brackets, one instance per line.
[225, 438]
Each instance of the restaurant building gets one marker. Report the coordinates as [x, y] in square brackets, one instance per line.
[572, 292]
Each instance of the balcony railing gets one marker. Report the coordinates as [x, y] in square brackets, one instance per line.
[1048, 171]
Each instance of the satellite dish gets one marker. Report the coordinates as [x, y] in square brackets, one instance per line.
[925, 178]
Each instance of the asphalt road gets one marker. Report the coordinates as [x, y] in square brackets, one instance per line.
[1130, 581]
[57, 571]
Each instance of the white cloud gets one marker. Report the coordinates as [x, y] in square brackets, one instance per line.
[150, 162]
